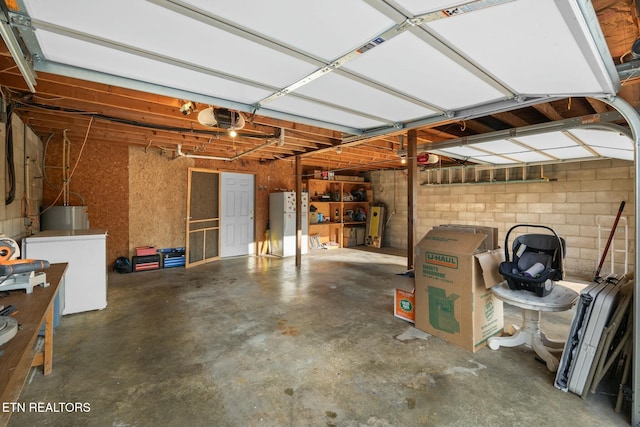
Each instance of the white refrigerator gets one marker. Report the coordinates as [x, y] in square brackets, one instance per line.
[282, 223]
[86, 252]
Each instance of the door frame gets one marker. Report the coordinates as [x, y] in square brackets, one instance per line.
[215, 221]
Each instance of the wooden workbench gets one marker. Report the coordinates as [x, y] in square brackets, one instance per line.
[20, 353]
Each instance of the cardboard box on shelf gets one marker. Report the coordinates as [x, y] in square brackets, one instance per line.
[348, 241]
[360, 233]
[348, 178]
[451, 300]
[327, 175]
[353, 236]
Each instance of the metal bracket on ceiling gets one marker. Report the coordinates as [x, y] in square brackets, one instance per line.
[16, 48]
[20, 21]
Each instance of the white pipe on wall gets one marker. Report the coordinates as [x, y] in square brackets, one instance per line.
[198, 156]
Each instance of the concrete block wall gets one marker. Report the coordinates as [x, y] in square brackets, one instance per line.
[574, 197]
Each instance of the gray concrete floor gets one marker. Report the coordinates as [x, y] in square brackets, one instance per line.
[254, 341]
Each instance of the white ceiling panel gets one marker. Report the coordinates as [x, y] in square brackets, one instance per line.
[464, 151]
[93, 57]
[304, 108]
[526, 43]
[546, 141]
[604, 138]
[570, 153]
[501, 146]
[530, 157]
[192, 41]
[410, 62]
[613, 153]
[326, 29]
[411, 66]
[341, 90]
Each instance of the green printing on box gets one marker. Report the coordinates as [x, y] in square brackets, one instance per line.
[442, 310]
[406, 305]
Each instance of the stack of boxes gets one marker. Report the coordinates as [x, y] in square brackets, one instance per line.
[353, 236]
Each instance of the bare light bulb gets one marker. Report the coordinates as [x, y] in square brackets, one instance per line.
[233, 133]
[403, 161]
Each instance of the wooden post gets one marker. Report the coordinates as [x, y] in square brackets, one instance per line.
[412, 196]
[48, 342]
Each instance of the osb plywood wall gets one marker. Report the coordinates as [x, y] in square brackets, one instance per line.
[158, 194]
[157, 199]
[139, 196]
[100, 181]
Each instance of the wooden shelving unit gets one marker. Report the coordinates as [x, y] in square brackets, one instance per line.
[339, 207]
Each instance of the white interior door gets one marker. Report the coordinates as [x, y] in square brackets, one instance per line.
[237, 222]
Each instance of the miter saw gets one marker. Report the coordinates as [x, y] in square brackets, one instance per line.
[19, 273]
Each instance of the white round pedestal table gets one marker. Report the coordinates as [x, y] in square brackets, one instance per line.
[561, 298]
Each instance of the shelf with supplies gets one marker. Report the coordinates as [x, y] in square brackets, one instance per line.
[338, 210]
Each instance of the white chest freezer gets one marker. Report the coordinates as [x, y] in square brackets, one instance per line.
[86, 253]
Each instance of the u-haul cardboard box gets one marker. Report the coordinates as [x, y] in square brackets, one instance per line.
[490, 243]
[452, 301]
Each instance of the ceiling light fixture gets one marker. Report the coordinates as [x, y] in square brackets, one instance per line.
[339, 150]
[207, 118]
[228, 119]
[222, 118]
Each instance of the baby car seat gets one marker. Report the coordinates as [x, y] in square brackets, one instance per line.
[537, 261]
